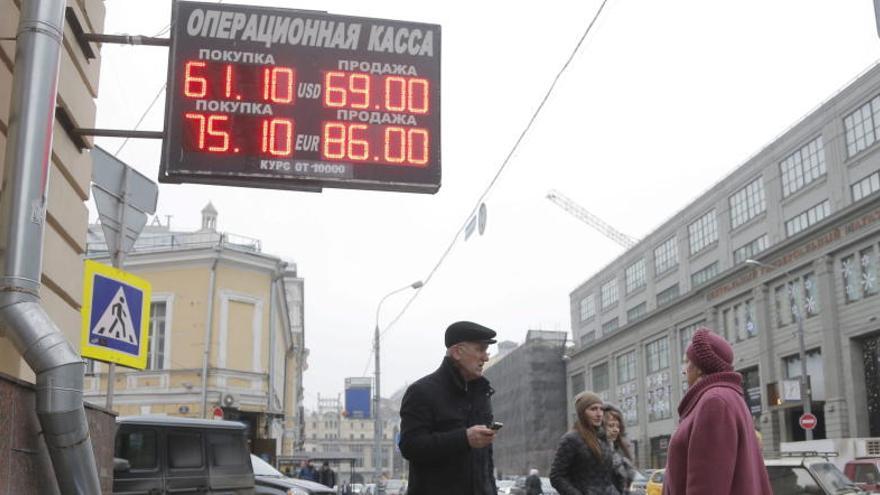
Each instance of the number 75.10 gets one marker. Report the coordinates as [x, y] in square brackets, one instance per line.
[213, 133]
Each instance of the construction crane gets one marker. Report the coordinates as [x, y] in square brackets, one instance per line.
[592, 220]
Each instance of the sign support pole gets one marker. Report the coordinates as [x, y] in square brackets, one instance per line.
[118, 261]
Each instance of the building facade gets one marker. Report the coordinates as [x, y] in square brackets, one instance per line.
[226, 334]
[806, 206]
[530, 394]
[66, 221]
[347, 442]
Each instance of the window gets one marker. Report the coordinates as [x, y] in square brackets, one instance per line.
[703, 232]
[685, 334]
[807, 218]
[747, 203]
[610, 326]
[861, 126]
[657, 354]
[739, 321]
[578, 384]
[228, 450]
[702, 276]
[156, 352]
[860, 274]
[588, 307]
[750, 249]
[626, 367]
[609, 294]
[815, 370]
[666, 256]
[601, 381]
[588, 337]
[794, 295]
[138, 447]
[185, 450]
[635, 276]
[637, 313]
[667, 295]
[802, 167]
[866, 187]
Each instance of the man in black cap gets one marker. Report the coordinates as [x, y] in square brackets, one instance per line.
[445, 419]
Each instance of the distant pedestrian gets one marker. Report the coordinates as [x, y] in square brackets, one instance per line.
[445, 418]
[307, 471]
[714, 450]
[583, 461]
[533, 483]
[326, 475]
[615, 432]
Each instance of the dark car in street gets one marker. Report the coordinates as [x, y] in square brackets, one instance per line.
[162, 454]
[270, 481]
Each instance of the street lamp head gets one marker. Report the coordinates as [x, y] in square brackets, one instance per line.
[754, 262]
[417, 285]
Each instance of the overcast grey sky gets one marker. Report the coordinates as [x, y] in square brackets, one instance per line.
[662, 101]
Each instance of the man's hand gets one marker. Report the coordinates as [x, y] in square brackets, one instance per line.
[480, 436]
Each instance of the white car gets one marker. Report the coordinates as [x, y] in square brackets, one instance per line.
[810, 473]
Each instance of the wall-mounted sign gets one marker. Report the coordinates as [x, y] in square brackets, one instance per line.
[289, 99]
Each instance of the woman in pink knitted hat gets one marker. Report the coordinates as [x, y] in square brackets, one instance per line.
[714, 451]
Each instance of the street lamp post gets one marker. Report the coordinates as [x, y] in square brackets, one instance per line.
[377, 415]
[806, 393]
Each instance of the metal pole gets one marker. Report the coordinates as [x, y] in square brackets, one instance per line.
[806, 393]
[806, 390]
[377, 415]
[209, 319]
[377, 456]
[118, 262]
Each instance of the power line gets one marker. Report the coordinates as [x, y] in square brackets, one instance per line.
[500, 170]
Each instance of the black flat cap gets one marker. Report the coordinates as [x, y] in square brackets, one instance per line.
[468, 331]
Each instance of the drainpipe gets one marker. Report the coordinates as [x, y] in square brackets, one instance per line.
[57, 365]
[212, 289]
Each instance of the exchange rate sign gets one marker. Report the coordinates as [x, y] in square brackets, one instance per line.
[289, 99]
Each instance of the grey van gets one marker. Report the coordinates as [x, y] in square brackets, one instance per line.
[156, 455]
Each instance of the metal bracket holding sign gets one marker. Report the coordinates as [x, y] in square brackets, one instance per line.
[293, 99]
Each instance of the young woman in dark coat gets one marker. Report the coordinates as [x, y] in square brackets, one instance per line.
[615, 431]
[583, 464]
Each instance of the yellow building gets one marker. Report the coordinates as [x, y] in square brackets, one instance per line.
[226, 331]
[67, 217]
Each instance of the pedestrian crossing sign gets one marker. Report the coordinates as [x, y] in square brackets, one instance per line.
[115, 316]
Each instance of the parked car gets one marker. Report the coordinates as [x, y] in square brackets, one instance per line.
[865, 472]
[270, 481]
[504, 486]
[810, 473]
[655, 483]
[163, 454]
[395, 487]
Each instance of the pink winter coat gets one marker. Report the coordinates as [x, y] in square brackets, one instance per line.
[715, 450]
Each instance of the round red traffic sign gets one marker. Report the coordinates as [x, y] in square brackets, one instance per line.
[218, 412]
[808, 421]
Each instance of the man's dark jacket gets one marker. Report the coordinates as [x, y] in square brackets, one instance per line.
[435, 414]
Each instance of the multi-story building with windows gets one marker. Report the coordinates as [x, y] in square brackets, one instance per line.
[226, 331]
[347, 442]
[807, 206]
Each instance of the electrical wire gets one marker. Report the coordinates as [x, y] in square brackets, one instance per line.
[501, 169]
[143, 116]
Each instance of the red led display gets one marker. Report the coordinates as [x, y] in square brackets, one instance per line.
[280, 98]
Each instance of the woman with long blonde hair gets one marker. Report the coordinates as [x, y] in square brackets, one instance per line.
[583, 464]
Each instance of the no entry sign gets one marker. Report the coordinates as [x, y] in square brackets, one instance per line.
[808, 421]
